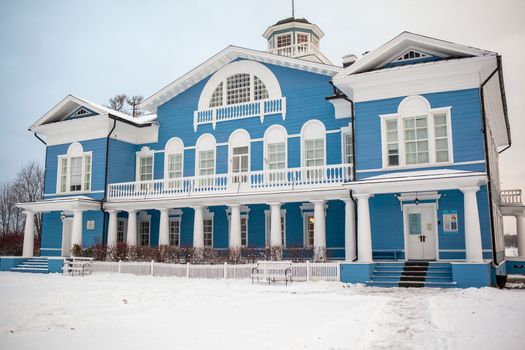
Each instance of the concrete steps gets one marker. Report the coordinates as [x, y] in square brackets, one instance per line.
[412, 274]
[32, 265]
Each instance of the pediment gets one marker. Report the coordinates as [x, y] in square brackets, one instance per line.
[410, 48]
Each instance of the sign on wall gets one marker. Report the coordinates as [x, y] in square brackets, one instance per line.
[450, 221]
[90, 225]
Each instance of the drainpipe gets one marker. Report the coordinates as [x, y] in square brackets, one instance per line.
[106, 183]
[43, 185]
[354, 173]
[487, 160]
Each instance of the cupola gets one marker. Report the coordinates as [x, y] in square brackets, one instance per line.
[297, 38]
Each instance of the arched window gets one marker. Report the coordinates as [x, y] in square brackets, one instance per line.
[174, 159]
[240, 88]
[416, 134]
[313, 143]
[205, 155]
[275, 148]
[239, 82]
[74, 170]
[239, 150]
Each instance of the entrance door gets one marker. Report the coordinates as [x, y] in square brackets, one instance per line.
[67, 225]
[420, 231]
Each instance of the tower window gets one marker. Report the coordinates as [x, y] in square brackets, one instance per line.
[284, 40]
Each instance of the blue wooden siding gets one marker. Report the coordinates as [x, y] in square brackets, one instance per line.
[387, 223]
[466, 129]
[97, 146]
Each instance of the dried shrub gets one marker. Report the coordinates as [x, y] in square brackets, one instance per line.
[11, 244]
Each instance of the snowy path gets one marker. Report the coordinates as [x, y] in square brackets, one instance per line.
[129, 312]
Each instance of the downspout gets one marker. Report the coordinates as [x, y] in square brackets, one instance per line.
[354, 172]
[43, 185]
[106, 182]
[487, 165]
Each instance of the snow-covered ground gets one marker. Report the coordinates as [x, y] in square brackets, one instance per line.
[107, 311]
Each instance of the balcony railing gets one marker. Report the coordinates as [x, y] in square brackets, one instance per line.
[249, 182]
[511, 197]
[254, 109]
[298, 50]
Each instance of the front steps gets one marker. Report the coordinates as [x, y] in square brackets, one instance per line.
[412, 274]
[33, 265]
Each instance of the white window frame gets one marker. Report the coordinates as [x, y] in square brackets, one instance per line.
[344, 154]
[306, 216]
[307, 135]
[174, 219]
[124, 222]
[174, 146]
[399, 117]
[268, 224]
[208, 216]
[205, 142]
[275, 134]
[143, 217]
[276, 40]
[145, 152]
[75, 150]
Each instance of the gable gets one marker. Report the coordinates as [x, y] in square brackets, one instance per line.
[223, 58]
[423, 48]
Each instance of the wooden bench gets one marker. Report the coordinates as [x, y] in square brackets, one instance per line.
[272, 271]
[77, 266]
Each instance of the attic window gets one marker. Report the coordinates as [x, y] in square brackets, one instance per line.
[411, 55]
[82, 112]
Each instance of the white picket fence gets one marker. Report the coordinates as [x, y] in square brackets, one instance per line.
[300, 271]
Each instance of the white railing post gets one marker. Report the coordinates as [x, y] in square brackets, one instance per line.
[307, 270]
[261, 110]
[214, 118]
[187, 270]
[119, 265]
[151, 267]
[338, 271]
[225, 270]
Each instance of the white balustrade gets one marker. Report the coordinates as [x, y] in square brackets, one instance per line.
[253, 109]
[297, 50]
[511, 197]
[254, 181]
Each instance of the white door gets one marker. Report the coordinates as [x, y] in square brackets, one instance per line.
[420, 231]
[67, 225]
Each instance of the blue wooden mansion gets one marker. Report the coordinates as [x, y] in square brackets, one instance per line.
[388, 161]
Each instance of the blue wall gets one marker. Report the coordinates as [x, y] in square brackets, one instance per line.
[466, 129]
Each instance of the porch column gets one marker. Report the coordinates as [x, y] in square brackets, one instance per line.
[76, 235]
[112, 228]
[319, 230]
[198, 228]
[164, 229]
[349, 229]
[235, 226]
[472, 229]
[364, 232]
[276, 235]
[520, 230]
[29, 234]
[132, 228]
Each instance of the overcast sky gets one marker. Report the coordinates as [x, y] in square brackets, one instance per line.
[96, 49]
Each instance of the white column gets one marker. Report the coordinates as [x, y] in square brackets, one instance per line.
[76, 235]
[520, 230]
[276, 235]
[349, 230]
[319, 230]
[364, 232]
[112, 228]
[472, 229]
[164, 229]
[198, 228]
[29, 234]
[132, 228]
[235, 226]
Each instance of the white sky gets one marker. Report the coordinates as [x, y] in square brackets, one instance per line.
[96, 49]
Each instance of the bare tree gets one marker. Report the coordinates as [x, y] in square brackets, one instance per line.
[118, 103]
[28, 187]
[134, 102]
